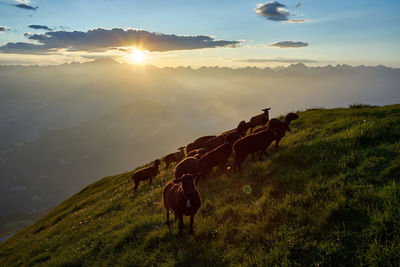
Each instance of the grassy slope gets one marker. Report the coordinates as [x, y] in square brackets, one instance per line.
[331, 196]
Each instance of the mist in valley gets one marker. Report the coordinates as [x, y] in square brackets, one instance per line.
[64, 127]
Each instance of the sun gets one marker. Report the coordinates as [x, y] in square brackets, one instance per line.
[137, 56]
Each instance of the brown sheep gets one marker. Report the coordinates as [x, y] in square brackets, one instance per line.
[198, 143]
[282, 127]
[187, 166]
[199, 151]
[219, 155]
[219, 140]
[145, 173]
[242, 128]
[251, 144]
[279, 127]
[182, 196]
[175, 157]
[260, 119]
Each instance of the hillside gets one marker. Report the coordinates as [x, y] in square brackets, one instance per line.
[329, 197]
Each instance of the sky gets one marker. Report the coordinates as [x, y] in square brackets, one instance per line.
[232, 33]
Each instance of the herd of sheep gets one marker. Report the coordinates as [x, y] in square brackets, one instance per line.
[202, 155]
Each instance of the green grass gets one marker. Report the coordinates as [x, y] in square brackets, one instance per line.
[329, 197]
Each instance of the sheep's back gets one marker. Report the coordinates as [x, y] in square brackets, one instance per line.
[186, 166]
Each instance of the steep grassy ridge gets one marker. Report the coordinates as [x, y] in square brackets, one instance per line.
[330, 197]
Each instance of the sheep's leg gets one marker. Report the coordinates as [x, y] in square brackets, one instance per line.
[167, 165]
[151, 180]
[261, 154]
[167, 209]
[136, 186]
[276, 148]
[235, 165]
[180, 216]
[191, 224]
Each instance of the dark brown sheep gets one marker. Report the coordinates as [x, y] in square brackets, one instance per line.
[260, 119]
[279, 127]
[198, 143]
[241, 128]
[187, 166]
[219, 140]
[145, 173]
[219, 155]
[251, 144]
[175, 157]
[199, 151]
[282, 127]
[182, 196]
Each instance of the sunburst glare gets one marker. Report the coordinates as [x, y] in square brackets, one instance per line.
[137, 56]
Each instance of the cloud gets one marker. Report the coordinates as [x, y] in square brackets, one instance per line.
[277, 60]
[24, 48]
[26, 6]
[100, 40]
[299, 5]
[39, 27]
[276, 11]
[3, 28]
[289, 44]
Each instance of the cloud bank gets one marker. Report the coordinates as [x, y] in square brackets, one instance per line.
[39, 27]
[100, 40]
[289, 44]
[276, 11]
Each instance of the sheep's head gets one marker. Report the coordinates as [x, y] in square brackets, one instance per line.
[290, 117]
[182, 149]
[157, 162]
[187, 184]
[243, 127]
[266, 111]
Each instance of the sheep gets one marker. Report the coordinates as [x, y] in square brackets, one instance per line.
[187, 166]
[175, 157]
[219, 140]
[281, 127]
[219, 155]
[145, 173]
[251, 144]
[199, 151]
[182, 196]
[242, 128]
[260, 119]
[198, 143]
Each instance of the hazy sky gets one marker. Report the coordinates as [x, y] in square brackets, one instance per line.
[209, 32]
